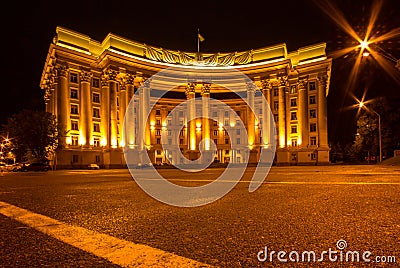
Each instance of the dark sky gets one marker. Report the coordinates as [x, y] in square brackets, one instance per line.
[28, 29]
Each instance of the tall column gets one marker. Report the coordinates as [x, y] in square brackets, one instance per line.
[302, 114]
[146, 110]
[63, 103]
[129, 114]
[190, 94]
[322, 111]
[86, 109]
[112, 79]
[105, 112]
[122, 113]
[250, 115]
[266, 114]
[282, 112]
[205, 100]
[144, 105]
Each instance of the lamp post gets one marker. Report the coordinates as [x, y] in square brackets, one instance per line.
[361, 104]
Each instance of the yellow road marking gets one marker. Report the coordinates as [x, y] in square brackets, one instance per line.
[117, 251]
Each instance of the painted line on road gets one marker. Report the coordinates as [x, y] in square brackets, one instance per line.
[280, 182]
[118, 251]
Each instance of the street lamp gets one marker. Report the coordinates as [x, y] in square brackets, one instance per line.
[362, 105]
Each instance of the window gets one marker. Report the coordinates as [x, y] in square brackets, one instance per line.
[169, 122]
[169, 141]
[276, 106]
[313, 127]
[312, 100]
[96, 127]
[294, 142]
[226, 122]
[215, 123]
[181, 122]
[215, 114]
[294, 129]
[158, 132]
[96, 98]
[313, 141]
[158, 141]
[276, 118]
[293, 116]
[182, 133]
[313, 114]
[96, 82]
[75, 158]
[313, 156]
[226, 141]
[180, 141]
[276, 92]
[238, 141]
[180, 113]
[158, 122]
[215, 132]
[117, 102]
[169, 132]
[293, 102]
[74, 125]
[226, 151]
[294, 157]
[158, 112]
[237, 131]
[215, 141]
[73, 78]
[74, 94]
[226, 132]
[312, 86]
[97, 159]
[74, 109]
[226, 114]
[293, 90]
[96, 112]
[74, 140]
[96, 143]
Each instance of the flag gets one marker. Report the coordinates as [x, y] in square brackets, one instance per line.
[201, 38]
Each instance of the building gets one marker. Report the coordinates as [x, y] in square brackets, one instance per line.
[89, 85]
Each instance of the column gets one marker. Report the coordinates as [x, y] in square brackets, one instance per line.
[250, 115]
[266, 114]
[105, 112]
[112, 80]
[63, 103]
[190, 95]
[302, 114]
[86, 109]
[322, 111]
[122, 113]
[144, 104]
[129, 114]
[282, 112]
[205, 101]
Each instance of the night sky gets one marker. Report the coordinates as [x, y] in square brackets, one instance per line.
[28, 29]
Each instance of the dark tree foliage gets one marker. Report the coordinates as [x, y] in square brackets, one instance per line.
[367, 138]
[34, 132]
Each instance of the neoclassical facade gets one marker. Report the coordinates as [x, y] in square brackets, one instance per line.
[92, 87]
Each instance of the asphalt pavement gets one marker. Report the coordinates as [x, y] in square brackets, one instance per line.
[297, 209]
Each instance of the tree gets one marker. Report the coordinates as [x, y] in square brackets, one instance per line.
[34, 132]
[366, 142]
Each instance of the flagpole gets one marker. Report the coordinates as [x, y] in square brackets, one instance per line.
[198, 41]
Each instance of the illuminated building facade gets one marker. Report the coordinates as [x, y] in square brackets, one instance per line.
[89, 85]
